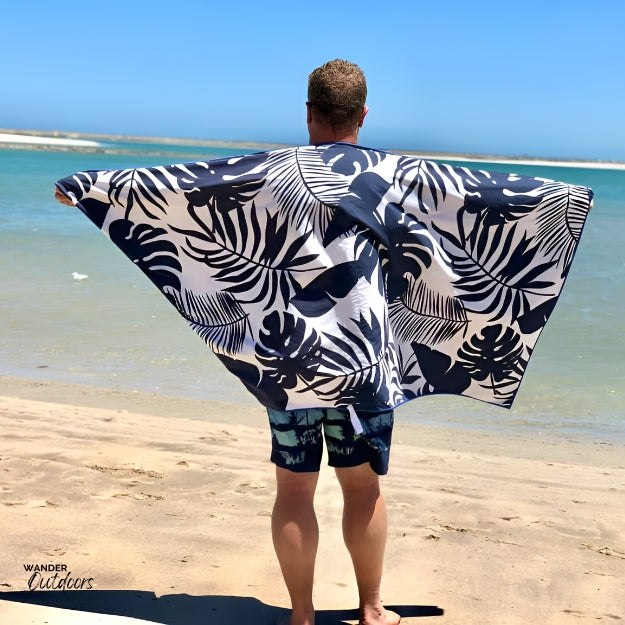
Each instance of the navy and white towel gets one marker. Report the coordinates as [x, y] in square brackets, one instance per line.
[336, 275]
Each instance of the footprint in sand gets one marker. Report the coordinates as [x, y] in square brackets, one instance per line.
[35, 503]
[251, 487]
[126, 472]
[141, 496]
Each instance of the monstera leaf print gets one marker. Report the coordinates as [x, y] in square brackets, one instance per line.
[286, 351]
[288, 355]
[149, 248]
[496, 198]
[495, 357]
[407, 250]
[331, 275]
[225, 195]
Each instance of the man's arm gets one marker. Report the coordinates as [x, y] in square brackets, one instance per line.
[61, 197]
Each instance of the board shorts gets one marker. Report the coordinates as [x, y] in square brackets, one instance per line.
[297, 440]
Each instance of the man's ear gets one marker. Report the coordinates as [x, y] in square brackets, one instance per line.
[308, 113]
[365, 110]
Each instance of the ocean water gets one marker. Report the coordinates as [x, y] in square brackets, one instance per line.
[113, 329]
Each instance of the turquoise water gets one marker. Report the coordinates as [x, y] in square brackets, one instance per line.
[113, 329]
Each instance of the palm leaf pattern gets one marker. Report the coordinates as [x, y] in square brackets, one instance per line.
[304, 189]
[218, 319]
[331, 275]
[230, 243]
[427, 316]
[499, 274]
[566, 206]
[141, 187]
[352, 368]
[424, 182]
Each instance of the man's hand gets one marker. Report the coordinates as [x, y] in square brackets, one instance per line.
[61, 197]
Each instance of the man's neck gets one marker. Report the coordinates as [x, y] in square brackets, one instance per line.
[321, 132]
[330, 136]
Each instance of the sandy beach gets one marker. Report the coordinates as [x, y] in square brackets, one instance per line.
[119, 507]
[166, 519]
[39, 140]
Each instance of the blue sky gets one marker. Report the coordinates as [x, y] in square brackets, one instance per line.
[537, 78]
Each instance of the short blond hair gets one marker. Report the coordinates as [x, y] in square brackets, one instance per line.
[337, 92]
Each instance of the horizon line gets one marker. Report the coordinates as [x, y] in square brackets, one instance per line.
[70, 139]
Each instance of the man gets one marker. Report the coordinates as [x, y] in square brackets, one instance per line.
[265, 326]
[335, 113]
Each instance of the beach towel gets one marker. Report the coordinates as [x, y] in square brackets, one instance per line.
[336, 275]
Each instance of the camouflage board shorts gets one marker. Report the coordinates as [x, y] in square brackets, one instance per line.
[297, 441]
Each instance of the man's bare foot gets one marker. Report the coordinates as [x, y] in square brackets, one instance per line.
[378, 615]
[294, 619]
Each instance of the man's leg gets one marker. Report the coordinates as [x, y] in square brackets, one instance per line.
[295, 538]
[364, 531]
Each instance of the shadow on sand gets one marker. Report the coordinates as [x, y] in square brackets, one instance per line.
[188, 609]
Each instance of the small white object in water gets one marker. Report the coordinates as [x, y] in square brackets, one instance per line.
[79, 276]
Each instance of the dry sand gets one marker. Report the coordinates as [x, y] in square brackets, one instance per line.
[167, 520]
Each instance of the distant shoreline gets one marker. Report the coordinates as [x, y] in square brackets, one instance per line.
[92, 142]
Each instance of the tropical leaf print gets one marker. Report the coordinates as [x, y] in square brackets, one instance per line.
[349, 163]
[303, 189]
[407, 250]
[287, 351]
[402, 244]
[426, 316]
[218, 319]
[424, 184]
[355, 364]
[560, 220]
[333, 284]
[440, 372]
[252, 252]
[496, 198]
[150, 249]
[536, 317]
[85, 180]
[95, 208]
[495, 356]
[498, 273]
[335, 275]
[142, 188]
[225, 194]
